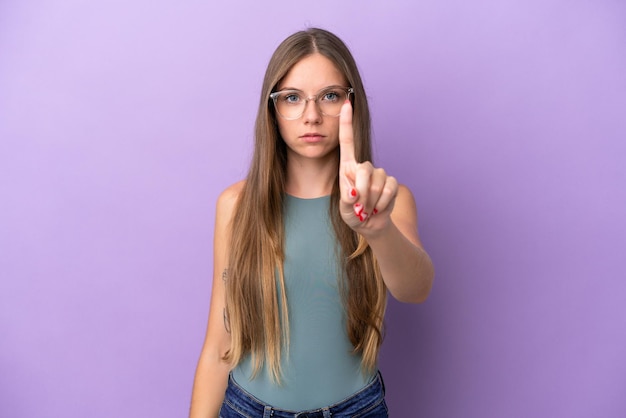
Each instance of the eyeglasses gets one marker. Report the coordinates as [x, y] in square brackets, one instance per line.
[290, 104]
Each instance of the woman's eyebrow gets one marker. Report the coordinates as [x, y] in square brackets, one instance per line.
[302, 91]
[289, 88]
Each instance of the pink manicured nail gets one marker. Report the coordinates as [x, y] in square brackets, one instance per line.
[375, 211]
[358, 209]
[363, 216]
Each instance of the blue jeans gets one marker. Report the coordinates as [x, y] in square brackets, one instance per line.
[369, 402]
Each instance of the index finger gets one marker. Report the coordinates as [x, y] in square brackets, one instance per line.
[346, 135]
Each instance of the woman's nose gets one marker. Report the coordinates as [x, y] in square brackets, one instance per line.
[312, 113]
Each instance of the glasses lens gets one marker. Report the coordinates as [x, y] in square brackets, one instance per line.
[331, 100]
[290, 104]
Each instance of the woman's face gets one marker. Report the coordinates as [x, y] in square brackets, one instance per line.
[313, 135]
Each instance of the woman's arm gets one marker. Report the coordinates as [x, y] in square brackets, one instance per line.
[405, 266]
[384, 213]
[212, 372]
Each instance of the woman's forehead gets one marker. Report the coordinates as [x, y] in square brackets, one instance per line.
[313, 73]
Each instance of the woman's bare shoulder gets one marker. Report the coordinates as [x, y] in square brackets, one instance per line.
[225, 208]
[229, 196]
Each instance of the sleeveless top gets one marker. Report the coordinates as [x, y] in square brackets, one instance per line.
[320, 369]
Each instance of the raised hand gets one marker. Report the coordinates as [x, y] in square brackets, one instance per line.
[368, 194]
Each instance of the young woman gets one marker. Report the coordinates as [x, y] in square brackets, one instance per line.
[305, 251]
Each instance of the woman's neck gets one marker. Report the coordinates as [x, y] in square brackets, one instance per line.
[310, 178]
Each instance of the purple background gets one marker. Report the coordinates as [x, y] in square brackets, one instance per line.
[121, 121]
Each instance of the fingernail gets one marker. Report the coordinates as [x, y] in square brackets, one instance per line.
[353, 192]
[358, 209]
[362, 216]
[375, 211]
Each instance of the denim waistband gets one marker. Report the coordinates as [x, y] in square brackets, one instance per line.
[360, 402]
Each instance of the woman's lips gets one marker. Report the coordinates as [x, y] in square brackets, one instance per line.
[312, 137]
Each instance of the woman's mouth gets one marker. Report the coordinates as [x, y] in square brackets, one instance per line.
[312, 137]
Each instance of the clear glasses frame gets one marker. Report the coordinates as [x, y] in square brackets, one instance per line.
[316, 98]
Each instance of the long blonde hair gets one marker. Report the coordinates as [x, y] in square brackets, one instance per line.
[258, 322]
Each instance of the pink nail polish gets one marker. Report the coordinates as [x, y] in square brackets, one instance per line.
[363, 216]
[358, 209]
[353, 192]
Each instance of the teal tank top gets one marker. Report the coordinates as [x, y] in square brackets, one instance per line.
[320, 369]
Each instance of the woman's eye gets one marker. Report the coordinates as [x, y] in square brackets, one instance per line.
[330, 96]
[291, 98]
